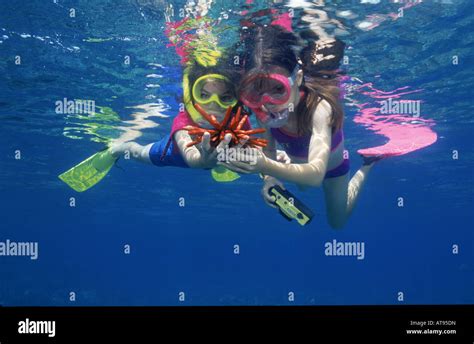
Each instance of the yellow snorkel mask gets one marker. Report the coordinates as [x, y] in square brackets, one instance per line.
[198, 95]
[203, 98]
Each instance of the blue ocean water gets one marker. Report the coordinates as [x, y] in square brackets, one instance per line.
[190, 249]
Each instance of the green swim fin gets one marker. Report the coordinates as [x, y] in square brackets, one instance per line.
[89, 172]
[223, 175]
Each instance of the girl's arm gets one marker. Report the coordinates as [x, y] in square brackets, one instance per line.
[311, 173]
[198, 156]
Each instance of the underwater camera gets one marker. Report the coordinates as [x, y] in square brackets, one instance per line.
[290, 207]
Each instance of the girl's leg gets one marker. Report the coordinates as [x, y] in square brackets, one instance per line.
[341, 195]
[133, 150]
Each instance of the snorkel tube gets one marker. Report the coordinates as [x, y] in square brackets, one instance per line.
[187, 98]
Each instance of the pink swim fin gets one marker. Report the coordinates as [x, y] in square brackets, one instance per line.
[402, 139]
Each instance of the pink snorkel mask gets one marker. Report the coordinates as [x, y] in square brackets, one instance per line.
[262, 89]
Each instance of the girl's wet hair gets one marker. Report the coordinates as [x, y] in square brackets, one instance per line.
[272, 45]
[269, 45]
[323, 58]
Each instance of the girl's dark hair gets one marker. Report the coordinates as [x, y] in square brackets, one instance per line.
[272, 45]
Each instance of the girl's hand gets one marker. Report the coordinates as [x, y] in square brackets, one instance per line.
[252, 161]
[268, 183]
[283, 157]
[208, 154]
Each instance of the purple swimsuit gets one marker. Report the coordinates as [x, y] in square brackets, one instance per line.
[298, 146]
